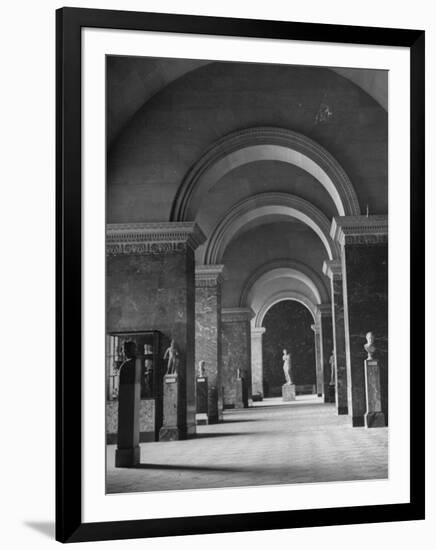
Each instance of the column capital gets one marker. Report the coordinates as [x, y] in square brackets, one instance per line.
[258, 331]
[332, 269]
[209, 275]
[324, 310]
[236, 314]
[360, 229]
[152, 238]
[316, 328]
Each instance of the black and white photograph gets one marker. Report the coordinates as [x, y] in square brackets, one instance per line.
[246, 274]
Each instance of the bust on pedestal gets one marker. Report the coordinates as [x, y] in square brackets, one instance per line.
[288, 388]
[331, 394]
[129, 398]
[241, 396]
[374, 417]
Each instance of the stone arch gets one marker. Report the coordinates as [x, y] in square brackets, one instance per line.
[297, 270]
[257, 207]
[265, 143]
[281, 296]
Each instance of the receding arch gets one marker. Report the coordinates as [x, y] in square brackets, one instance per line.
[264, 143]
[280, 297]
[269, 205]
[295, 269]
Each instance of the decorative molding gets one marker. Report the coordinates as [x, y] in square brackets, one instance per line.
[152, 238]
[332, 269]
[324, 310]
[360, 229]
[257, 332]
[272, 265]
[343, 192]
[209, 275]
[316, 328]
[262, 204]
[236, 314]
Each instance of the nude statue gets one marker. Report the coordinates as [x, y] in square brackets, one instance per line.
[369, 346]
[287, 366]
[332, 368]
[172, 353]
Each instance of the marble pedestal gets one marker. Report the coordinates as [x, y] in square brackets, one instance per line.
[201, 416]
[374, 416]
[241, 397]
[129, 400]
[288, 392]
[173, 428]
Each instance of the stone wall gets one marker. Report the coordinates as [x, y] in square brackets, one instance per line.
[236, 345]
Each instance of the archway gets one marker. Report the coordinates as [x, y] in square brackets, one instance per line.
[288, 326]
[263, 143]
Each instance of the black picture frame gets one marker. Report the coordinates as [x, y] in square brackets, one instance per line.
[69, 22]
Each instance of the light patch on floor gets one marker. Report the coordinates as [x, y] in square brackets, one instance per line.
[268, 444]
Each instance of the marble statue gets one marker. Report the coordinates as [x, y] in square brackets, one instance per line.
[287, 366]
[200, 372]
[369, 346]
[332, 369]
[172, 353]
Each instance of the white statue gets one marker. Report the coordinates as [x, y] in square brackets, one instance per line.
[287, 366]
[172, 353]
[200, 372]
[369, 346]
[332, 368]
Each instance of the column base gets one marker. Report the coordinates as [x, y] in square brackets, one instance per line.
[126, 458]
[375, 420]
[342, 410]
[288, 392]
[201, 419]
[358, 421]
[167, 433]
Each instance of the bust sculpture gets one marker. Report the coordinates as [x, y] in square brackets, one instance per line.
[172, 354]
[369, 346]
[127, 368]
[287, 366]
[200, 372]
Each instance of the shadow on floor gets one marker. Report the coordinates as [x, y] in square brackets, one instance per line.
[146, 466]
[217, 434]
[46, 528]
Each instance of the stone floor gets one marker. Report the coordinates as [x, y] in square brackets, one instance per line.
[272, 442]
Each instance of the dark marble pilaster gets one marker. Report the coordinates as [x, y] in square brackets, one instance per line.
[333, 269]
[208, 279]
[150, 285]
[324, 315]
[318, 360]
[364, 245]
[236, 350]
[257, 362]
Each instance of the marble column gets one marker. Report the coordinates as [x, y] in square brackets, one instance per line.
[364, 253]
[257, 362]
[150, 284]
[318, 360]
[324, 314]
[333, 269]
[208, 280]
[236, 351]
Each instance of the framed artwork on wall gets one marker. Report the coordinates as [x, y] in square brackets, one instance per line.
[240, 271]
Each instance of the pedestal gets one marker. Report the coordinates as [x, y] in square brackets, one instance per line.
[129, 399]
[173, 427]
[241, 398]
[288, 392]
[201, 416]
[374, 416]
[330, 395]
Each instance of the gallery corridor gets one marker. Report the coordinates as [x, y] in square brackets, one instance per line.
[272, 442]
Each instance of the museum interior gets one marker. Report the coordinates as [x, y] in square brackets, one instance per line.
[246, 274]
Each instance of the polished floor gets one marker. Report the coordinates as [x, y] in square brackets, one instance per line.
[270, 443]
